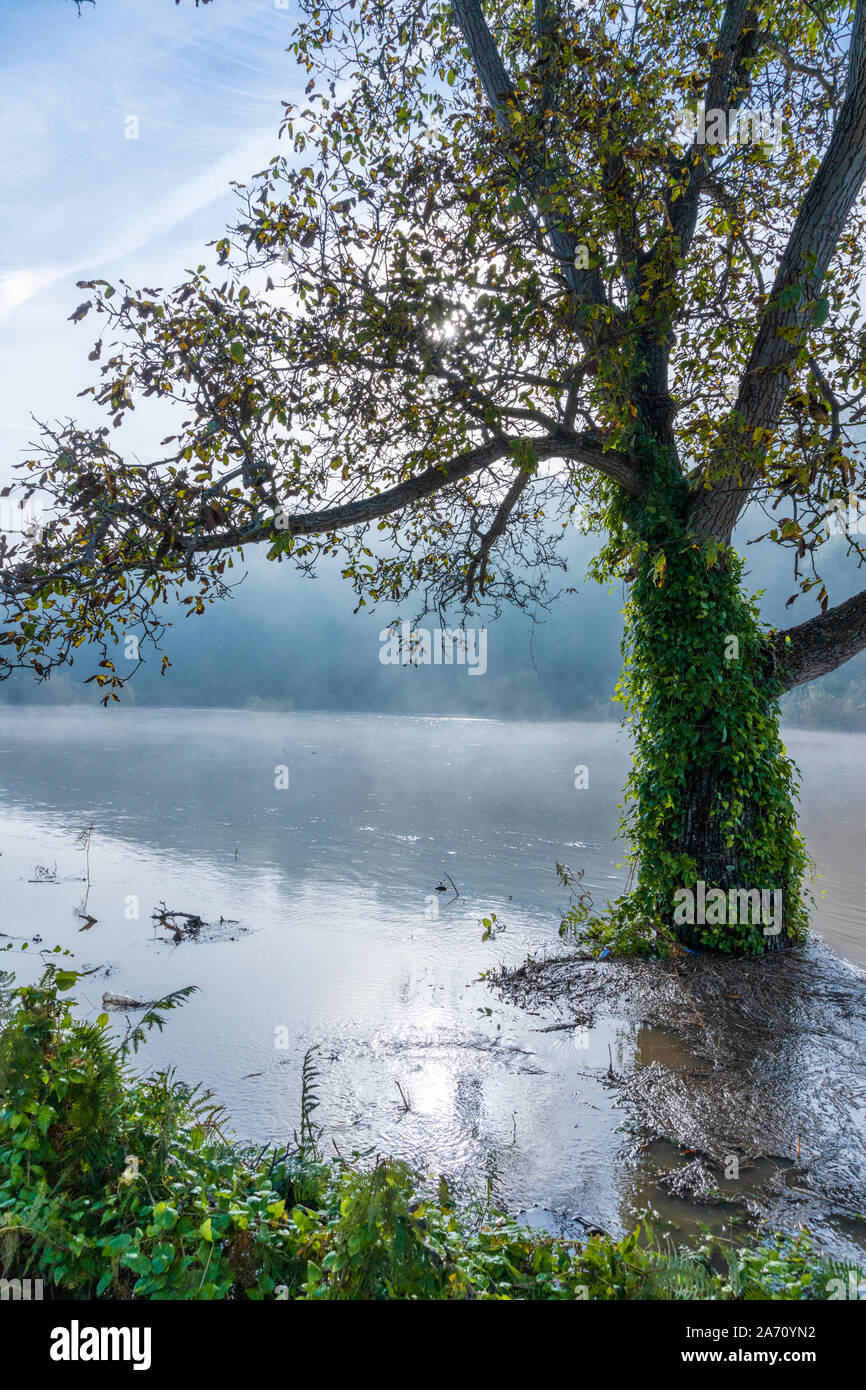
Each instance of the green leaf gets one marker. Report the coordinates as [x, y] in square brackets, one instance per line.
[118, 1243]
[162, 1258]
[790, 296]
[822, 310]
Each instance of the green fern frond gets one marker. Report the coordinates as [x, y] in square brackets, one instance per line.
[307, 1141]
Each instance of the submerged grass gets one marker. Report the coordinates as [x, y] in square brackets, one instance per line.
[121, 1186]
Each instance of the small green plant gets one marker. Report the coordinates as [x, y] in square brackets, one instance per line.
[625, 930]
[308, 1137]
[492, 927]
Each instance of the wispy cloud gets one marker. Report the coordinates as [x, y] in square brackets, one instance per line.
[155, 221]
[81, 200]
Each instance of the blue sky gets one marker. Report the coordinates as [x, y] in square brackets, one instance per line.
[81, 200]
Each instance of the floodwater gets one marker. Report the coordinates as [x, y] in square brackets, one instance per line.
[313, 846]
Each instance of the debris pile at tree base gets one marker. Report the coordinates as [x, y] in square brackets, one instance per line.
[748, 1079]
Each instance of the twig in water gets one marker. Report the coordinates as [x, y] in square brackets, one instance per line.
[440, 888]
[83, 842]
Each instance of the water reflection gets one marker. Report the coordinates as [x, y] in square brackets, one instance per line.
[347, 942]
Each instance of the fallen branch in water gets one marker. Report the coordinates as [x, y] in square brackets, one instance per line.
[167, 918]
[126, 1001]
[559, 1027]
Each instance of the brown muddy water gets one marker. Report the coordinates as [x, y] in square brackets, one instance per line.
[313, 846]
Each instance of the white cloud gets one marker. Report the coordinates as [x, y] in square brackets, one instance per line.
[21, 285]
[151, 223]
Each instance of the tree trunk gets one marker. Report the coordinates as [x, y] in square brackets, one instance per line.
[711, 803]
[702, 837]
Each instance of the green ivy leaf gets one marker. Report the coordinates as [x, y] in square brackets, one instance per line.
[821, 311]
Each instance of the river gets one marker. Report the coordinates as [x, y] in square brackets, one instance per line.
[321, 842]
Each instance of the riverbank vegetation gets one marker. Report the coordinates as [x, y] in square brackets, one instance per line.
[119, 1185]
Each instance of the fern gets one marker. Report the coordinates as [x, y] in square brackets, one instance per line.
[307, 1141]
[137, 1031]
[677, 1274]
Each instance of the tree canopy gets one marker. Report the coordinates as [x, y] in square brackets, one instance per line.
[506, 244]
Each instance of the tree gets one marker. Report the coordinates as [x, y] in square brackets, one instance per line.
[526, 263]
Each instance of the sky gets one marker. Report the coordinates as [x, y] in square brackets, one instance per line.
[121, 132]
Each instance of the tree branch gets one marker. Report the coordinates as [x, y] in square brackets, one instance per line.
[821, 644]
[502, 99]
[497, 528]
[18, 581]
[578, 448]
[728, 78]
[813, 240]
[791, 65]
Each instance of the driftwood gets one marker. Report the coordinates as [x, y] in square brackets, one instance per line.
[169, 919]
[125, 1001]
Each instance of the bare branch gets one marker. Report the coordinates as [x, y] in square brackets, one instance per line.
[500, 521]
[819, 645]
[791, 65]
[577, 448]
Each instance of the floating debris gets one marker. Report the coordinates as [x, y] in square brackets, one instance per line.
[191, 926]
[124, 1001]
[42, 874]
